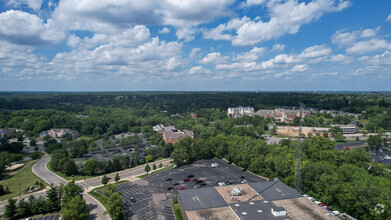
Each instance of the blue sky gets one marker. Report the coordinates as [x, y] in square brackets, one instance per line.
[201, 45]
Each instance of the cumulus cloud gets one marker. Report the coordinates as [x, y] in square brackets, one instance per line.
[360, 42]
[278, 47]
[388, 18]
[198, 70]
[33, 4]
[253, 54]
[101, 15]
[300, 68]
[20, 27]
[285, 17]
[165, 30]
[340, 58]
[212, 58]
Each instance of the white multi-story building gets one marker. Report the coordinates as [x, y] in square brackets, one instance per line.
[240, 111]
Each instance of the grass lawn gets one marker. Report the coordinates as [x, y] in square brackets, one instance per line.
[177, 211]
[25, 178]
[153, 172]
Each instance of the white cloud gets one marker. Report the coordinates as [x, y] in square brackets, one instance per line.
[254, 2]
[198, 70]
[33, 4]
[340, 58]
[20, 27]
[108, 16]
[369, 33]
[252, 55]
[371, 45]
[165, 30]
[383, 59]
[360, 42]
[315, 51]
[194, 52]
[285, 17]
[388, 18]
[212, 58]
[279, 47]
[300, 68]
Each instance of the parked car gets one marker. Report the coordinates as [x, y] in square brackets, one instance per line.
[190, 176]
[175, 184]
[168, 179]
[214, 165]
[196, 187]
[242, 177]
[335, 213]
[182, 188]
[132, 200]
[199, 181]
[194, 180]
[243, 181]
[203, 184]
[170, 188]
[186, 179]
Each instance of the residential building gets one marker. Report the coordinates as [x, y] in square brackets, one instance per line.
[8, 132]
[173, 136]
[61, 132]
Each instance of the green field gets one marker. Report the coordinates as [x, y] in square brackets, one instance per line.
[24, 178]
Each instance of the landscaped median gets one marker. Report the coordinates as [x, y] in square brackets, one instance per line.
[107, 202]
[153, 172]
[177, 211]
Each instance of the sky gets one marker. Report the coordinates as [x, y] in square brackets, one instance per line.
[195, 45]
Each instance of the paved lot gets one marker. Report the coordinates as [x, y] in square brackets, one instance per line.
[153, 201]
[342, 146]
[49, 217]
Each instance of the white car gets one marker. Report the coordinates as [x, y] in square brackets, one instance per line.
[317, 202]
[214, 165]
[335, 213]
[243, 181]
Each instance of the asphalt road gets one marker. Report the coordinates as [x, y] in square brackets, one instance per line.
[48, 176]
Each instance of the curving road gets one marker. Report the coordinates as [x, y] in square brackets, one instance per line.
[96, 208]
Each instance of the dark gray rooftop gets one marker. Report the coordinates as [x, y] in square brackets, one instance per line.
[275, 190]
[202, 198]
[257, 209]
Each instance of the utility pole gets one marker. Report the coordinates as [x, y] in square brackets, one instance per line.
[298, 181]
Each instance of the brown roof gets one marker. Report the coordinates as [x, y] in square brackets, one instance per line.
[176, 134]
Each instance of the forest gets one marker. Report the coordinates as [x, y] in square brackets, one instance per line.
[345, 180]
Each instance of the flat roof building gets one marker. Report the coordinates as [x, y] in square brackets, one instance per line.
[272, 200]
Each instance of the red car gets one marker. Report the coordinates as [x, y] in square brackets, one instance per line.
[181, 188]
[170, 188]
[195, 180]
[187, 180]
[348, 148]
[132, 200]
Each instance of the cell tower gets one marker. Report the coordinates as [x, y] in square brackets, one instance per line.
[298, 182]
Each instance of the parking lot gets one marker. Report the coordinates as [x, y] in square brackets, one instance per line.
[49, 217]
[153, 200]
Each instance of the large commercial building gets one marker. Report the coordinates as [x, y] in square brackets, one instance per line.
[271, 200]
